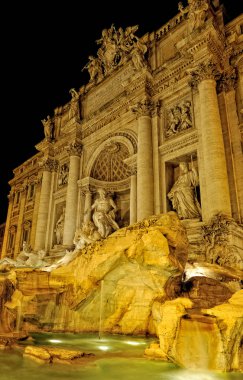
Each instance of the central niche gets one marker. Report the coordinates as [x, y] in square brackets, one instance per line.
[109, 165]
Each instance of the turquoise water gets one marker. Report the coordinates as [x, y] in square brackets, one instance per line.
[116, 358]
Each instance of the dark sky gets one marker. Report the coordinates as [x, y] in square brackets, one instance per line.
[43, 49]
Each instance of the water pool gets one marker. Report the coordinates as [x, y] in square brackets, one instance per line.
[116, 358]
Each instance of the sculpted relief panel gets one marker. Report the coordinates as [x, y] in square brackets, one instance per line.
[178, 118]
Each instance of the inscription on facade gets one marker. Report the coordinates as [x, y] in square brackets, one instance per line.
[110, 90]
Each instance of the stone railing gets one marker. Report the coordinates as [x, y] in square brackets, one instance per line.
[171, 24]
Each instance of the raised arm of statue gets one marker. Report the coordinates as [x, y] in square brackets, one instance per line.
[48, 128]
[74, 93]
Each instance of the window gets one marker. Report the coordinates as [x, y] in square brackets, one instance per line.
[31, 190]
[17, 198]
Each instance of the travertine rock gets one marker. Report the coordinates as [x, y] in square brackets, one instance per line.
[209, 338]
[54, 355]
[135, 282]
[131, 267]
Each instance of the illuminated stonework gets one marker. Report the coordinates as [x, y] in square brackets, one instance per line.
[171, 96]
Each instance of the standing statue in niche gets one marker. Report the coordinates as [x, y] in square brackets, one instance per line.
[104, 214]
[60, 227]
[48, 128]
[182, 193]
[63, 175]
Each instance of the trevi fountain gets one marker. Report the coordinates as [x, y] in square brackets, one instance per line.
[123, 245]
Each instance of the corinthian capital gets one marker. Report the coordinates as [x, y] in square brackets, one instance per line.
[205, 70]
[227, 81]
[74, 149]
[49, 164]
[144, 108]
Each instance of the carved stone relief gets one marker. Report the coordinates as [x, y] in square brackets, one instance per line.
[216, 238]
[116, 47]
[179, 118]
[63, 175]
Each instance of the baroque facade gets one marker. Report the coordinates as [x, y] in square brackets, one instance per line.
[160, 114]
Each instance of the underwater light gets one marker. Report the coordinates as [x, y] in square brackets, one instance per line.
[191, 375]
[134, 343]
[55, 341]
[104, 348]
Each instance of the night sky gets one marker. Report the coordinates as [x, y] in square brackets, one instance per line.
[43, 49]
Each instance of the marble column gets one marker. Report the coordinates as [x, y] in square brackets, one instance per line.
[7, 226]
[133, 197]
[212, 144]
[35, 210]
[41, 226]
[87, 204]
[156, 161]
[145, 180]
[19, 232]
[74, 151]
[227, 85]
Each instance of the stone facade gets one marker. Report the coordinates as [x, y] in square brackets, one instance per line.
[175, 95]
[2, 229]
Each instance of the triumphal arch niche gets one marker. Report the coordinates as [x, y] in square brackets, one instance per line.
[109, 169]
[157, 127]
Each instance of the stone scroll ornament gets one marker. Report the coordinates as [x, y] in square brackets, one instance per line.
[116, 48]
[178, 119]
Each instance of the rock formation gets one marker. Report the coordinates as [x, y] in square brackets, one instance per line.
[137, 281]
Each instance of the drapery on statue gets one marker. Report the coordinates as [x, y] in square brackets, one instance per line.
[116, 47]
[182, 193]
[63, 175]
[87, 234]
[179, 118]
[74, 105]
[60, 227]
[94, 68]
[197, 12]
[48, 128]
[104, 214]
[26, 258]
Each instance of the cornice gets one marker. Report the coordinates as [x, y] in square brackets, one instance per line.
[92, 184]
[179, 142]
